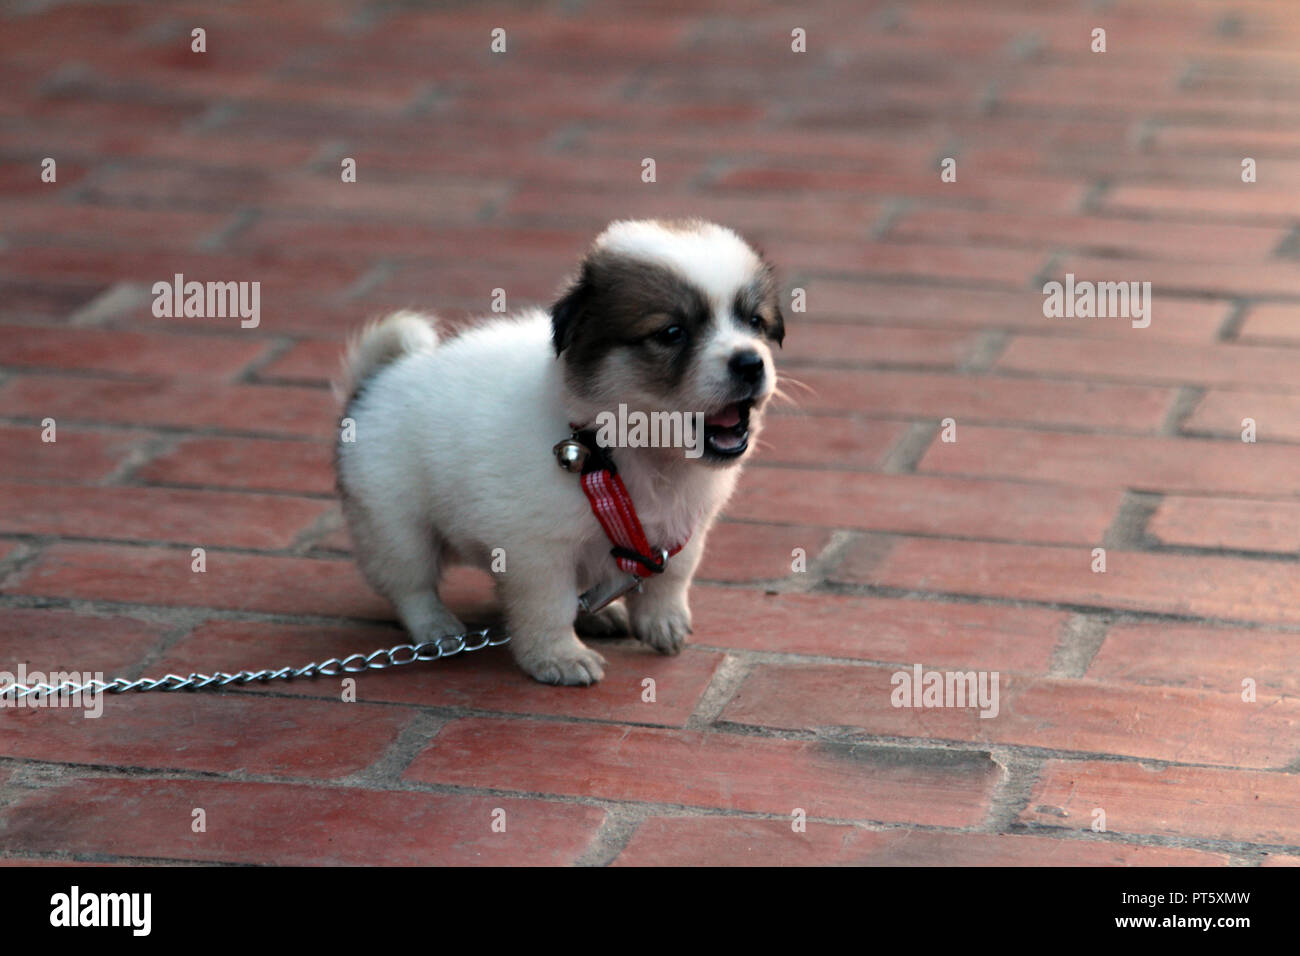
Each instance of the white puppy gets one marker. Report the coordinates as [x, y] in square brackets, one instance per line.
[454, 460]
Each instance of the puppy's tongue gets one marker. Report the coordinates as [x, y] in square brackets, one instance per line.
[729, 417]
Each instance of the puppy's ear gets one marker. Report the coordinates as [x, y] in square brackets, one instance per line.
[771, 294]
[567, 314]
[778, 325]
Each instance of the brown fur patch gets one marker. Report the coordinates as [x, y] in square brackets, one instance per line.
[761, 298]
[620, 301]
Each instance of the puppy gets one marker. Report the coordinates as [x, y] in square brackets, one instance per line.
[452, 457]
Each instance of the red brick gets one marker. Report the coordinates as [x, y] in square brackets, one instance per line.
[496, 157]
[1157, 723]
[291, 306]
[1191, 240]
[339, 539]
[320, 194]
[731, 841]
[838, 441]
[737, 552]
[853, 146]
[129, 353]
[1120, 167]
[989, 637]
[1226, 588]
[1204, 803]
[1138, 237]
[261, 38]
[756, 552]
[1143, 360]
[1051, 135]
[234, 581]
[1043, 192]
[1108, 461]
[210, 733]
[483, 681]
[1133, 91]
[1154, 40]
[1271, 322]
[311, 363]
[1276, 417]
[79, 113]
[866, 300]
[1267, 277]
[291, 825]
[616, 171]
[1012, 267]
[1203, 657]
[396, 42]
[16, 180]
[1234, 202]
[264, 409]
[377, 94]
[811, 111]
[45, 300]
[1238, 524]
[370, 238]
[550, 40]
[137, 140]
[248, 464]
[12, 861]
[875, 345]
[77, 454]
[200, 518]
[458, 283]
[919, 504]
[38, 221]
[1189, 137]
[561, 204]
[283, 275]
[53, 639]
[984, 399]
[313, 122]
[709, 770]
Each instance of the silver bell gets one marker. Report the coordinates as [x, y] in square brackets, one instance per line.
[571, 455]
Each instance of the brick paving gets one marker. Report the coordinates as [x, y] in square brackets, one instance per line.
[1121, 691]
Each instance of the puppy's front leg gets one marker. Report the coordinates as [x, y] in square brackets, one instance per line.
[540, 597]
[659, 612]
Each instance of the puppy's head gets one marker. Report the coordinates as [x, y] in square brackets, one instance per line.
[673, 317]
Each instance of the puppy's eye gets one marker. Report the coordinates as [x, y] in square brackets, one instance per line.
[672, 335]
[756, 322]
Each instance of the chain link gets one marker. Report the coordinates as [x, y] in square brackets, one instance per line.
[379, 660]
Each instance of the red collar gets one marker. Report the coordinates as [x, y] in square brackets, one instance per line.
[612, 505]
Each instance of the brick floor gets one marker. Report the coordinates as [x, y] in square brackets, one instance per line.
[1148, 714]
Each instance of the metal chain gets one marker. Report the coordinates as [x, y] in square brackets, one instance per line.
[379, 660]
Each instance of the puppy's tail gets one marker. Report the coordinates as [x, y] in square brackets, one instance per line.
[382, 341]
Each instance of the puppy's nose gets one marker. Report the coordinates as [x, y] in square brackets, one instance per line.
[747, 366]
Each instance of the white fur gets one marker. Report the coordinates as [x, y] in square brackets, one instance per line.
[453, 460]
[381, 342]
[715, 258]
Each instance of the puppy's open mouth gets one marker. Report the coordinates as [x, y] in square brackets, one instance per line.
[726, 431]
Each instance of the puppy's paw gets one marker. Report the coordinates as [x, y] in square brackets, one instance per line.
[441, 629]
[609, 621]
[663, 626]
[563, 662]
